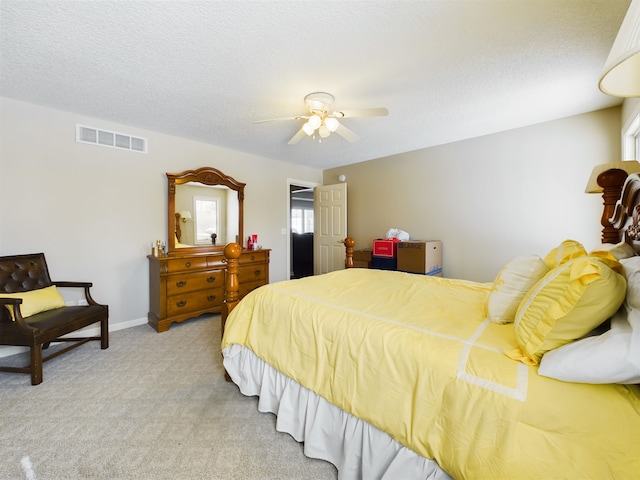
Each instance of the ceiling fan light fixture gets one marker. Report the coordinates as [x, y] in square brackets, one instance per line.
[315, 121]
[323, 119]
[323, 131]
[331, 123]
[308, 129]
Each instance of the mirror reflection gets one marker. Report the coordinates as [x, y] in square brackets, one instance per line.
[205, 211]
[207, 215]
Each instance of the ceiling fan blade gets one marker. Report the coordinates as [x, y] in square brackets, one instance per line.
[298, 117]
[347, 134]
[297, 137]
[362, 112]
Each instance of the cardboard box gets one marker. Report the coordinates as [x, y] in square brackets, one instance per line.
[384, 263]
[385, 248]
[420, 256]
[362, 258]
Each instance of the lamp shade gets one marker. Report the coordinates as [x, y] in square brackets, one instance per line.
[621, 76]
[185, 215]
[629, 166]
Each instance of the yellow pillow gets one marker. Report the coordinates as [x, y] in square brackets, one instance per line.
[569, 302]
[511, 285]
[567, 250]
[36, 301]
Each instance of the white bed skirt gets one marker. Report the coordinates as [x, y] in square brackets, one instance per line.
[357, 449]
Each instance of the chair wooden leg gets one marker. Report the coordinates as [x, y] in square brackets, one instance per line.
[104, 334]
[36, 365]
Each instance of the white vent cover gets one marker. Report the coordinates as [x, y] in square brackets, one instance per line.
[106, 138]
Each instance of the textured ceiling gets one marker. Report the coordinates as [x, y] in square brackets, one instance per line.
[205, 70]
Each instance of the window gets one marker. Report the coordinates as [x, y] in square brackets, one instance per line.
[206, 221]
[631, 140]
[302, 220]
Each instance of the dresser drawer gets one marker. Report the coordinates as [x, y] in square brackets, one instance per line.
[216, 261]
[249, 257]
[192, 302]
[186, 264]
[185, 283]
[252, 273]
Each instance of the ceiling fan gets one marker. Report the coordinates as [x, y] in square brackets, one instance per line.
[324, 121]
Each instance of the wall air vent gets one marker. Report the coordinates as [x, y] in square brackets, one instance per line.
[106, 138]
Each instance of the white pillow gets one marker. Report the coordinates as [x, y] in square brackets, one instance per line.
[613, 357]
[511, 285]
[619, 250]
[631, 269]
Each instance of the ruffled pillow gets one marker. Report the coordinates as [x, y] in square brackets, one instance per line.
[569, 302]
[567, 250]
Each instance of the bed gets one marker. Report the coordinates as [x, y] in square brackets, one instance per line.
[394, 375]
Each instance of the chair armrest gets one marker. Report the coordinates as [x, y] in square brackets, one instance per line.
[10, 301]
[85, 285]
[17, 314]
[73, 284]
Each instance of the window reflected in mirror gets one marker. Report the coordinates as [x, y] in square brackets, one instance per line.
[206, 222]
[214, 211]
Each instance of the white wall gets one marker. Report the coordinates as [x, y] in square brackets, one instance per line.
[94, 211]
[489, 198]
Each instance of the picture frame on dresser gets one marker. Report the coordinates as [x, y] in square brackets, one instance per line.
[189, 281]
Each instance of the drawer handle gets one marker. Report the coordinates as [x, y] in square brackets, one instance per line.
[188, 264]
[257, 272]
[253, 257]
[211, 298]
[181, 283]
[211, 279]
[181, 303]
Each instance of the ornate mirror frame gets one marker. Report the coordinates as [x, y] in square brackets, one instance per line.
[206, 176]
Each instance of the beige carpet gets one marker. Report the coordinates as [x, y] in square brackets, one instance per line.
[152, 406]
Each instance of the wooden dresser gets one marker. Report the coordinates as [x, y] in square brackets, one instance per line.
[183, 286]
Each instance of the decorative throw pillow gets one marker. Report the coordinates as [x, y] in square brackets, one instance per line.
[613, 357]
[511, 285]
[567, 250]
[569, 302]
[36, 301]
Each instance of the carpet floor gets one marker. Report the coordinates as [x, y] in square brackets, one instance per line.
[151, 406]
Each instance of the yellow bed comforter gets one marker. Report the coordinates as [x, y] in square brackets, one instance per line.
[415, 357]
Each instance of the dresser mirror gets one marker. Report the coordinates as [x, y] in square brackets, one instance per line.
[205, 211]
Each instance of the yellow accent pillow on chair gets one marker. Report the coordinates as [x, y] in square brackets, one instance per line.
[569, 302]
[36, 301]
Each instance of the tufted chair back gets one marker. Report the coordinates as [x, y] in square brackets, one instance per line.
[21, 273]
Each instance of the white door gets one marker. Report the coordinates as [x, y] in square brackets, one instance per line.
[330, 229]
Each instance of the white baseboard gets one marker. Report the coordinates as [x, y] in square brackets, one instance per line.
[92, 330]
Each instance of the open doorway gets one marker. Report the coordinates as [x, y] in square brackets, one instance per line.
[301, 221]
